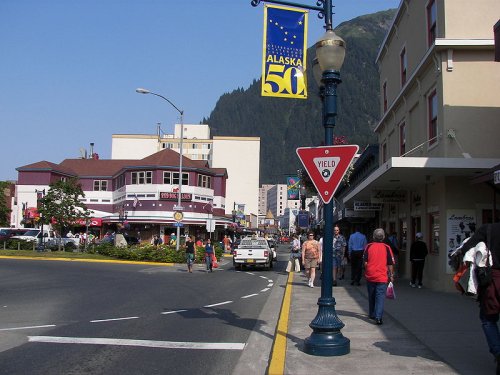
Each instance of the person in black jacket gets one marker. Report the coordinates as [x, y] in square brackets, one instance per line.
[418, 252]
[489, 296]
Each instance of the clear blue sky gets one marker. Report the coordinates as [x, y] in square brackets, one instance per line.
[69, 68]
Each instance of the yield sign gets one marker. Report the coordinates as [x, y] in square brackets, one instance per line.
[326, 166]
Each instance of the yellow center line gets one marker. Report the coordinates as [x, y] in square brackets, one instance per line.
[278, 354]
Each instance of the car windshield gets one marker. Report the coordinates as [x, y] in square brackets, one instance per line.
[4, 232]
[32, 233]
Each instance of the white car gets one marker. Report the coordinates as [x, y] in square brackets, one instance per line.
[253, 251]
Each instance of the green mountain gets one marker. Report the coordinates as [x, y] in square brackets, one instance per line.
[285, 124]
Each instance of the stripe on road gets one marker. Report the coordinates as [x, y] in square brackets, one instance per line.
[29, 327]
[113, 319]
[142, 343]
[251, 295]
[173, 312]
[218, 304]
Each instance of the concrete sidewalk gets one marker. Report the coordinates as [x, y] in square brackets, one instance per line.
[424, 332]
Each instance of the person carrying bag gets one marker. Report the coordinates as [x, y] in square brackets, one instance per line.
[295, 254]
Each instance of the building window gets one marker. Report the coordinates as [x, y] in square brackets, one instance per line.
[100, 185]
[403, 66]
[384, 152]
[402, 138]
[119, 181]
[431, 22]
[167, 178]
[384, 95]
[204, 181]
[141, 178]
[175, 178]
[64, 179]
[432, 109]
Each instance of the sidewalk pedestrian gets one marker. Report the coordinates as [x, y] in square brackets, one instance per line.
[209, 253]
[357, 244]
[339, 247]
[227, 243]
[311, 257]
[418, 252]
[489, 296]
[190, 253]
[379, 270]
[295, 255]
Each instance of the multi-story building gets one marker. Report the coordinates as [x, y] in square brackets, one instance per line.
[263, 199]
[240, 156]
[144, 190]
[438, 131]
[277, 200]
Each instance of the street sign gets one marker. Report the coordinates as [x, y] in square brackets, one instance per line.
[178, 224]
[326, 166]
[178, 216]
[178, 208]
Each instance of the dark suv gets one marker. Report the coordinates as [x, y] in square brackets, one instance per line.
[7, 233]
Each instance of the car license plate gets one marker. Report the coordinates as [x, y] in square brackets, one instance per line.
[250, 260]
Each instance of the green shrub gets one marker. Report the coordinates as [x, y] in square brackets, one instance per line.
[150, 253]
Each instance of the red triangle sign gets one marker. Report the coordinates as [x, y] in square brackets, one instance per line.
[326, 166]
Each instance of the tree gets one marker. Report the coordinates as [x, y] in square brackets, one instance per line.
[63, 206]
[4, 210]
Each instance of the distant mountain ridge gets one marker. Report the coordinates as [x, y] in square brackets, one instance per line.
[285, 124]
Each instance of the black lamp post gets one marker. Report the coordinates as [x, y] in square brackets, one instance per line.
[39, 196]
[181, 141]
[326, 338]
[122, 217]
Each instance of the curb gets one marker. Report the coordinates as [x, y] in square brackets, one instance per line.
[278, 352]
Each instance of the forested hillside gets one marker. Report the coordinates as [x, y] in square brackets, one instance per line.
[285, 124]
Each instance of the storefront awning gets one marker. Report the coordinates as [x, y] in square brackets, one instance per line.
[403, 173]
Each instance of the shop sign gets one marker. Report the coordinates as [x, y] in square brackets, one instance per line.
[496, 177]
[367, 206]
[388, 196]
[172, 196]
[349, 212]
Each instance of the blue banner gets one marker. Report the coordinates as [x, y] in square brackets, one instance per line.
[284, 52]
[292, 187]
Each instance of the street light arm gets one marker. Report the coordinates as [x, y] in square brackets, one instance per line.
[144, 91]
[324, 7]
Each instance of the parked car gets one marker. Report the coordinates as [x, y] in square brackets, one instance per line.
[7, 233]
[131, 240]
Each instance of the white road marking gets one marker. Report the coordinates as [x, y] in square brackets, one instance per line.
[251, 295]
[265, 290]
[270, 285]
[263, 277]
[30, 327]
[250, 273]
[218, 304]
[113, 319]
[172, 312]
[143, 343]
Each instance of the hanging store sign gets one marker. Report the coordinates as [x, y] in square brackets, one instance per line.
[170, 196]
[284, 52]
[496, 177]
[367, 206]
[388, 196]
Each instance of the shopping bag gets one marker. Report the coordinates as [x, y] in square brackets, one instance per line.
[389, 293]
[461, 278]
[297, 265]
[289, 266]
[214, 261]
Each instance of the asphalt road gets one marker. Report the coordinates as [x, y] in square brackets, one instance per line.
[101, 318]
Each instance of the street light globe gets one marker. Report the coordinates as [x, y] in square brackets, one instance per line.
[330, 51]
[317, 73]
[142, 91]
